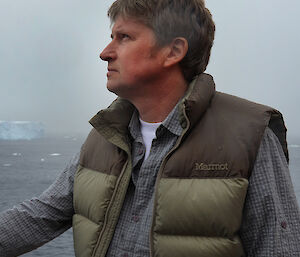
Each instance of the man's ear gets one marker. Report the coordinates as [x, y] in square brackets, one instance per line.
[176, 51]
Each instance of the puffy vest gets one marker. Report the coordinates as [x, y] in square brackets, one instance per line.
[201, 185]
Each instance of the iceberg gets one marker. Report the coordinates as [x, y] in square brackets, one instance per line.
[21, 130]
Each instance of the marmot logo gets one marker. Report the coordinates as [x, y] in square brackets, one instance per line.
[211, 166]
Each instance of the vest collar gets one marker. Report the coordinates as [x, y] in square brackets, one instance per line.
[197, 99]
[115, 119]
[112, 123]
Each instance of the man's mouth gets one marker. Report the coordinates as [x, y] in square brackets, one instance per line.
[111, 71]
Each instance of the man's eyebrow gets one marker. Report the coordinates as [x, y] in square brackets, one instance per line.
[118, 32]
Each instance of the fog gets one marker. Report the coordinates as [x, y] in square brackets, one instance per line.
[50, 69]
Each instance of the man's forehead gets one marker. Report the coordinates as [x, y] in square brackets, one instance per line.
[122, 23]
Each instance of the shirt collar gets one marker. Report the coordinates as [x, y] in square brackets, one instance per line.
[134, 126]
[171, 123]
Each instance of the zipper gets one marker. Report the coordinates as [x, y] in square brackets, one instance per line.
[109, 207]
[159, 177]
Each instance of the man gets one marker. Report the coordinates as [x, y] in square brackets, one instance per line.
[172, 167]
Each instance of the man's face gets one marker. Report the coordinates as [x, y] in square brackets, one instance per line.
[134, 60]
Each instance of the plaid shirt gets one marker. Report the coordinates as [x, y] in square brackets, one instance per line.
[270, 225]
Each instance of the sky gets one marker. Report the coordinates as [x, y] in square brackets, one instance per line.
[50, 69]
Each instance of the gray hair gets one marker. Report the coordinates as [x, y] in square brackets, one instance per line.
[174, 18]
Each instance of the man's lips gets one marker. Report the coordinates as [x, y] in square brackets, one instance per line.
[110, 71]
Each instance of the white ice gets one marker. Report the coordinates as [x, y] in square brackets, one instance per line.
[18, 130]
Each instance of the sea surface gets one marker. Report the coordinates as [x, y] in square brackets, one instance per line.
[27, 168]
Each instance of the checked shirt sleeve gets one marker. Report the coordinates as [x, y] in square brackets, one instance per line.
[271, 219]
[39, 220]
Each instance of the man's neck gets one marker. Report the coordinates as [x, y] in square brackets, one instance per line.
[155, 105]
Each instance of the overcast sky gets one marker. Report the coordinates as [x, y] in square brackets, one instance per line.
[50, 69]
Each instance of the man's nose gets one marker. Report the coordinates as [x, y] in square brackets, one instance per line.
[108, 53]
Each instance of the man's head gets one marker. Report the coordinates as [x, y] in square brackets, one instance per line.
[136, 66]
[169, 19]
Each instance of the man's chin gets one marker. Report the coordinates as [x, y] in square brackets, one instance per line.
[120, 90]
[116, 89]
[111, 88]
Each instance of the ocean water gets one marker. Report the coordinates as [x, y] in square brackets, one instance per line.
[27, 168]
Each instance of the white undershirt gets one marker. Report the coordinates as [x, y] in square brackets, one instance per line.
[148, 133]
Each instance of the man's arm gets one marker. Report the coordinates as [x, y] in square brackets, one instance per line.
[39, 220]
[271, 220]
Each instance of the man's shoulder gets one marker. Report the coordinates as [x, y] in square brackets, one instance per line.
[237, 110]
[240, 104]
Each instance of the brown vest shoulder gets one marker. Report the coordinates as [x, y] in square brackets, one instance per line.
[224, 141]
[98, 154]
[267, 115]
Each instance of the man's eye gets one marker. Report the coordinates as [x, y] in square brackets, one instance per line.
[123, 36]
